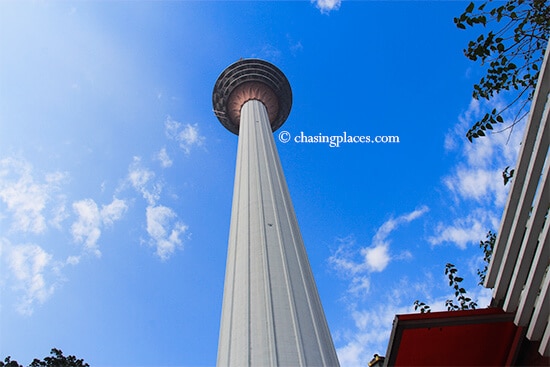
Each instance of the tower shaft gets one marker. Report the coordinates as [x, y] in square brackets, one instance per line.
[271, 313]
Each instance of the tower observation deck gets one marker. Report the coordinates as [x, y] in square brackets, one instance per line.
[271, 312]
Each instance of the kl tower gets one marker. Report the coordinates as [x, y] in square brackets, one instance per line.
[271, 313]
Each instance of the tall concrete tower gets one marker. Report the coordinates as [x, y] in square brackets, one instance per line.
[271, 313]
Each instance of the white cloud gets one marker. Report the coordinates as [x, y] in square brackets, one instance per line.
[343, 260]
[326, 6]
[465, 230]
[475, 182]
[392, 224]
[164, 158]
[139, 176]
[353, 262]
[377, 258]
[33, 203]
[360, 286]
[295, 47]
[478, 176]
[165, 230]
[372, 328]
[73, 260]
[186, 135]
[87, 228]
[142, 180]
[28, 265]
[483, 296]
[456, 136]
[59, 212]
[25, 198]
[270, 52]
[113, 212]
[163, 227]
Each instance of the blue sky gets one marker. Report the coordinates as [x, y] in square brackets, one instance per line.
[116, 177]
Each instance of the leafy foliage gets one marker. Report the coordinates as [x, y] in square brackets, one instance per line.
[512, 54]
[9, 363]
[57, 360]
[424, 308]
[487, 247]
[507, 174]
[464, 302]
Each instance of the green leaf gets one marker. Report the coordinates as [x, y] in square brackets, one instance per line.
[483, 20]
[470, 8]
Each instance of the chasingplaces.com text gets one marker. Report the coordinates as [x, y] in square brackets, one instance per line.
[335, 141]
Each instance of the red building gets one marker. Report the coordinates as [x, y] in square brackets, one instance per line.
[484, 337]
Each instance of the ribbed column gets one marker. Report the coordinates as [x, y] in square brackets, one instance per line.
[271, 313]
